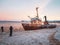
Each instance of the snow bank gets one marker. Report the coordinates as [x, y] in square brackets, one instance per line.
[36, 37]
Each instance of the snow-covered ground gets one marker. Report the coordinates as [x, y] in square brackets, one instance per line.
[35, 37]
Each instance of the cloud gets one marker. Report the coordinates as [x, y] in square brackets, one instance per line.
[43, 4]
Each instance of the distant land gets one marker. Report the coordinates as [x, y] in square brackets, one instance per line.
[10, 21]
[55, 21]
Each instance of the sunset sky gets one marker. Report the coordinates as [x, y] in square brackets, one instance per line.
[21, 9]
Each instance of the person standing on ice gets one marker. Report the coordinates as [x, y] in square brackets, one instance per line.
[11, 30]
[2, 28]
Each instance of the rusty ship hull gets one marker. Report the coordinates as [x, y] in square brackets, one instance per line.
[27, 27]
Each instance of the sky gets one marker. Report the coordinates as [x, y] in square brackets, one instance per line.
[21, 9]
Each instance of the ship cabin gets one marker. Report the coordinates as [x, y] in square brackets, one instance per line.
[36, 22]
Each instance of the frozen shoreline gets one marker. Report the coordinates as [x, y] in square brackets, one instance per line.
[35, 37]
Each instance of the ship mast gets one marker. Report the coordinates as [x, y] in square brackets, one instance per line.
[37, 12]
